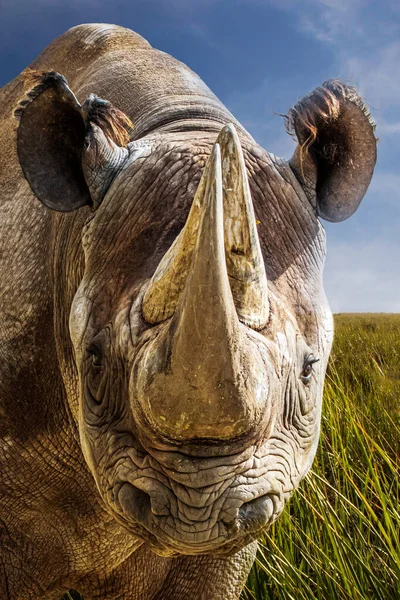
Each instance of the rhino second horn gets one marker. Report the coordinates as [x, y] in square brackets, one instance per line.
[244, 259]
[162, 296]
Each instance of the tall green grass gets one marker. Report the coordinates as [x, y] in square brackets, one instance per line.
[339, 537]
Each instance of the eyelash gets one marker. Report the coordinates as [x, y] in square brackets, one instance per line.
[307, 371]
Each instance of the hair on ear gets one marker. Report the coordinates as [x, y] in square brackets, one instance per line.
[40, 81]
[321, 107]
[336, 152]
[115, 125]
[56, 135]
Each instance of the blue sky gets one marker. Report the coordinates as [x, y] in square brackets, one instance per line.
[259, 57]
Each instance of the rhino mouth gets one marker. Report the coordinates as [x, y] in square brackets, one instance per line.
[195, 513]
[223, 537]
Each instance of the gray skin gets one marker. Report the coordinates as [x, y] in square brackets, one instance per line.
[149, 433]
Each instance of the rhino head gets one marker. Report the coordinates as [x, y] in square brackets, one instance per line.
[199, 328]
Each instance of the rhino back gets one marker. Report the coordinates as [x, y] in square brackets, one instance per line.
[154, 89]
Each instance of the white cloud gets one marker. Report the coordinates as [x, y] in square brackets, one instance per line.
[367, 50]
[385, 190]
[363, 276]
[330, 20]
[326, 20]
[387, 128]
[377, 74]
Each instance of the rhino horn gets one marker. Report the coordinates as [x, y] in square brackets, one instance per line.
[206, 314]
[244, 259]
[202, 374]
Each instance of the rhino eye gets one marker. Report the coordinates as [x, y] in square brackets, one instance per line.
[95, 355]
[307, 371]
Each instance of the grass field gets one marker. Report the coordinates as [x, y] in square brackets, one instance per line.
[339, 537]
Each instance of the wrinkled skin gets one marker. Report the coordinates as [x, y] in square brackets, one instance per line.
[99, 490]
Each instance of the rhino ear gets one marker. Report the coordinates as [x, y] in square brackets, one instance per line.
[336, 152]
[59, 141]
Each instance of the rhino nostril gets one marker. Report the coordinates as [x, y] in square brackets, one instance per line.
[258, 512]
[135, 502]
[152, 495]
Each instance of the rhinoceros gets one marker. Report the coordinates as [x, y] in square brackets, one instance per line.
[164, 331]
